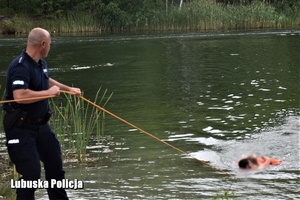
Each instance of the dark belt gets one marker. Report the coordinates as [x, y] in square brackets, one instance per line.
[35, 121]
[40, 120]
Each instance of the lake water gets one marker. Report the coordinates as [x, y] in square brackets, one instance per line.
[218, 96]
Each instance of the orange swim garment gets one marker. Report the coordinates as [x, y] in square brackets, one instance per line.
[273, 161]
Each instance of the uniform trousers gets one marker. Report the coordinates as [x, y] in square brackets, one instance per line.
[27, 146]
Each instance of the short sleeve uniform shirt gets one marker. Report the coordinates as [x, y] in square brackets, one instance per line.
[25, 73]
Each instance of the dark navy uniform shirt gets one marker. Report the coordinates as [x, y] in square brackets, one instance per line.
[25, 73]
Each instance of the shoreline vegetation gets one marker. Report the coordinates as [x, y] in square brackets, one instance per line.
[192, 15]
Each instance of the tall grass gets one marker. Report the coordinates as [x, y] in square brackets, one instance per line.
[76, 23]
[71, 23]
[207, 15]
[77, 121]
[194, 15]
[226, 195]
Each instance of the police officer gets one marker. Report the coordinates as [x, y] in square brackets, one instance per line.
[29, 138]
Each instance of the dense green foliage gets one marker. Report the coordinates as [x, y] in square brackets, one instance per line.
[116, 15]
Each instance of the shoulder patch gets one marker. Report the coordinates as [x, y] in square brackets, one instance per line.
[13, 141]
[18, 82]
[20, 60]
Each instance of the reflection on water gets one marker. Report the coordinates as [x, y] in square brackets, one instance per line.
[218, 96]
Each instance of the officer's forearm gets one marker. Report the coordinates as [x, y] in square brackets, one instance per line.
[20, 95]
[53, 82]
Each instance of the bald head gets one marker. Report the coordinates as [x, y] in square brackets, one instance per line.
[38, 43]
[36, 35]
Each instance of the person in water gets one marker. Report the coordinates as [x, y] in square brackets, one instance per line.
[254, 162]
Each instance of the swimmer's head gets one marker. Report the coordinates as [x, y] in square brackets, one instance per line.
[244, 163]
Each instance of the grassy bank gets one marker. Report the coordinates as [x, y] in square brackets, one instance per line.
[196, 15]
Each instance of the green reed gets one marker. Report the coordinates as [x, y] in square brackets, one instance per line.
[206, 15]
[226, 195]
[70, 23]
[194, 15]
[77, 121]
[77, 23]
